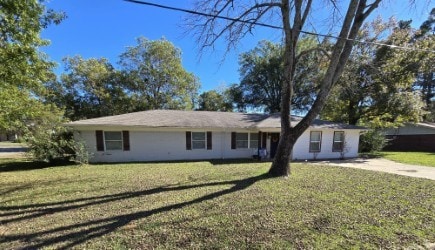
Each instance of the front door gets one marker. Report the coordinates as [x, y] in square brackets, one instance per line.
[274, 139]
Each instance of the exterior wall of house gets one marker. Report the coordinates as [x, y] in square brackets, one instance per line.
[152, 145]
[301, 150]
[170, 144]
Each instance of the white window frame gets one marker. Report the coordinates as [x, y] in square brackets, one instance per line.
[340, 141]
[192, 140]
[312, 141]
[237, 140]
[106, 140]
[250, 140]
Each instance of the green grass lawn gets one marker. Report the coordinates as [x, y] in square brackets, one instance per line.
[415, 158]
[211, 205]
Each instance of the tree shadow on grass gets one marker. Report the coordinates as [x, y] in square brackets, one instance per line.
[78, 233]
[14, 165]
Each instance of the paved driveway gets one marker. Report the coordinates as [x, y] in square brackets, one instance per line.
[384, 165]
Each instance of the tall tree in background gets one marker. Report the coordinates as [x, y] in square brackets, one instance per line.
[376, 86]
[425, 83]
[292, 16]
[23, 68]
[214, 101]
[89, 88]
[262, 72]
[156, 78]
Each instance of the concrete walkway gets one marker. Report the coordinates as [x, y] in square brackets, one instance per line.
[384, 165]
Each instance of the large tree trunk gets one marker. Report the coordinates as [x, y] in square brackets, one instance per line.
[281, 162]
[357, 12]
[353, 116]
[241, 21]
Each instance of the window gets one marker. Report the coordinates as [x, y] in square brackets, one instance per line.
[315, 141]
[254, 140]
[198, 140]
[338, 142]
[113, 140]
[242, 140]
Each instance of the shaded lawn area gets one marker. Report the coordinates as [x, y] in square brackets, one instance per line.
[212, 205]
[414, 158]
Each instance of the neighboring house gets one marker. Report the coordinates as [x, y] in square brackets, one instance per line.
[163, 135]
[412, 137]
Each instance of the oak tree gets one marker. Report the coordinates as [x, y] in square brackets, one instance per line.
[89, 88]
[213, 100]
[375, 88]
[241, 18]
[261, 71]
[155, 76]
[23, 67]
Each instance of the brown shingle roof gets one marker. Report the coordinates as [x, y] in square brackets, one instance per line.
[200, 119]
[274, 121]
[176, 119]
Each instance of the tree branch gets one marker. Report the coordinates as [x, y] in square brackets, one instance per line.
[308, 51]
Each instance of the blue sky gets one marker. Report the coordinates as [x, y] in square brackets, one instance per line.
[104, 28]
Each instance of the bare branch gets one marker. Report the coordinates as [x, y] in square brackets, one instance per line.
[223, 20]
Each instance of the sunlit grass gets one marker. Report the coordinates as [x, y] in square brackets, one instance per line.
[211, 205]
[415, 158]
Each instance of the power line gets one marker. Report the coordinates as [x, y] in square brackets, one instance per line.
[271, 26]
[203, 14]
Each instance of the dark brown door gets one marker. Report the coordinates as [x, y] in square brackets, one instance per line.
[274, 139]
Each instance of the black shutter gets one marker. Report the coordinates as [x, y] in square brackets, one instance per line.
[263, 140]
[233, 140]
[209, 140]
[188, 140]
[100, 140]
[126, 140]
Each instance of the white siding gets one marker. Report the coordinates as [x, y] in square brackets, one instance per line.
[158, 145]
[164, 146]
[301, 149]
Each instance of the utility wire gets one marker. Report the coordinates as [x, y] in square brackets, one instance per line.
[271, 26]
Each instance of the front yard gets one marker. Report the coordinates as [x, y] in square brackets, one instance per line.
[211, 205]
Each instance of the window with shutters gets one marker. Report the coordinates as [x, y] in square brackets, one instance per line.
[338, 142]
[113, 140]
[198, 140]
[315, 141]
[244, 140]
